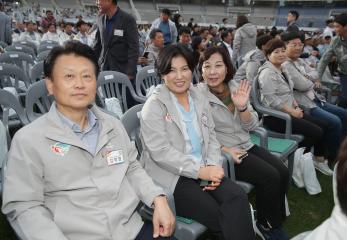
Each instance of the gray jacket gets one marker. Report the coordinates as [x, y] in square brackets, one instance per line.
[163, 153]
[173, 29]
[55, 189]
[153, 53]
[5, 28]
[230, 131]
[249, 68]
[275, 91]
[244, 41]
[338, 48]
[303, 86]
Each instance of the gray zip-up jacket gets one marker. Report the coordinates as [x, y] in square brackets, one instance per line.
[153, 53]
[55, 189]
[249, 68]
[163, 141]
[230, 131]
[338, 48]
[244, 41]
[275, 91]
[303, 78]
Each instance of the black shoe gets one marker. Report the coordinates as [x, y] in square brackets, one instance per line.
[272, 233]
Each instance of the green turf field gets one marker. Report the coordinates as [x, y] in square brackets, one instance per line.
[307, 211]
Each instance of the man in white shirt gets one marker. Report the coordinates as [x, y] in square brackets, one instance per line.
[82, 34]
[68, 33]
[30, 35]
[51, 34]
[329, 29]
[227, 41]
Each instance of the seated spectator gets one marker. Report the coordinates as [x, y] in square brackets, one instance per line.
[30, 35]
[68, 33]
[82, 34]
[252, 61]
[324, 45]
[181, 151]
[234, 117]
[277, 93]
[198, 48]
[335, 226]
[51, 34]
[80, 176]
[305, 80]
[157, 43]
[184, 37]
[47, 21]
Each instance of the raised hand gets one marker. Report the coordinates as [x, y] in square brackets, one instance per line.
[240, 97]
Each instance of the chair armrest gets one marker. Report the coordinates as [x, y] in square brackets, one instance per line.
[278, 114]
[229, 163]
[263, 135]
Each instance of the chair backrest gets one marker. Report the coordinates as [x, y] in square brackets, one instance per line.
[145, 78]
[115, 84]
[49, 42]
[131, 123]
[11, 75]
[17, 47]
[42, 55]
[36, 72]
[45, 47]
[22, 60]
[9, 101]
[3, 153]
[29, 44]
[37, 101]
[3, 44]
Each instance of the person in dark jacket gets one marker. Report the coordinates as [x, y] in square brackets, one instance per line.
[116, 41]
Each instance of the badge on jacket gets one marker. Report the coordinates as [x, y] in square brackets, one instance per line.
[204, 120]
[60, 148]
[114, 157]
[168, 118]
[118, 32]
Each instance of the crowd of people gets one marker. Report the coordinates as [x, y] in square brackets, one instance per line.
[81, 178]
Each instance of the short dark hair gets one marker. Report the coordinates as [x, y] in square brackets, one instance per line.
[262, 40]
[166, 11]
[295, 14]
[272, 45]
[327, 37]
[241, 20]
[69, 48]
[114, 2]
[163, 63]
[341, 19]
[224, 34]
[341, 176]
[50, 24]
[80, 23]
[288, 36]
[226, 59]
[184, 30]
[154, 32]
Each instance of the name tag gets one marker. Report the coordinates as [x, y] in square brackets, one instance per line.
[118, 32]
[114, 157]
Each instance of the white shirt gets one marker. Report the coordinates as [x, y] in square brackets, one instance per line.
[230, 50]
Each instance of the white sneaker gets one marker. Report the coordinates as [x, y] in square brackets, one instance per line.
[323, 167]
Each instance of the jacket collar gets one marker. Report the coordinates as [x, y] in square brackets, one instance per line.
[60, 132]
[163, 95]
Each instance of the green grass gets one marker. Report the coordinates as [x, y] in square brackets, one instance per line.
[307, 212]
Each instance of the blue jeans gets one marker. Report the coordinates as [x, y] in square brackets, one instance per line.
[337, 119]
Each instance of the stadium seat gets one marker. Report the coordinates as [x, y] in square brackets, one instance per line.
[37, 100]
[145, 78]
[114, 85]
